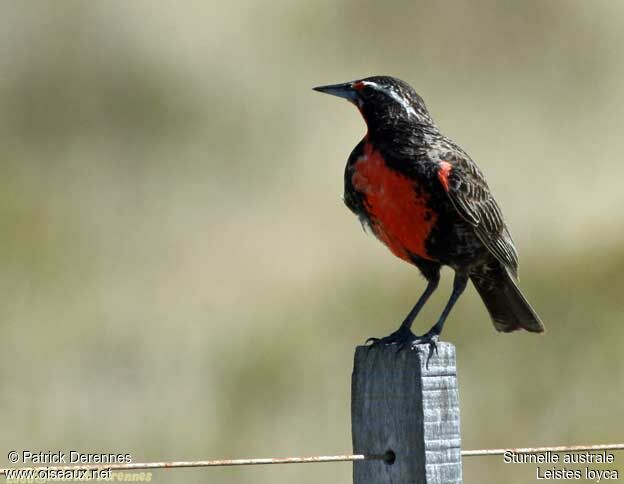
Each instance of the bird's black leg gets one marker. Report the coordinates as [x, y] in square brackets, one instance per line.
[404, 335]
[432, 336]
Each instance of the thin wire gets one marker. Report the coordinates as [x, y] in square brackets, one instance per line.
[313, 459]
[536, 450]
[213, 463]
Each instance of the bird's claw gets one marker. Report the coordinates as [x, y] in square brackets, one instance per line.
[406, 339]
[401, 337]
[433, 347]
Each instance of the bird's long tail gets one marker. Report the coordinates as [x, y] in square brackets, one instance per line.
[507, 306]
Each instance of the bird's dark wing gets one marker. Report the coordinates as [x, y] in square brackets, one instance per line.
[467, 189]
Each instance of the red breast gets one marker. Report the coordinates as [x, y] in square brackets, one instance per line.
[396, 206]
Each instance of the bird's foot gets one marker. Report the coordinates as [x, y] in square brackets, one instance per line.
[431, 338]
[404, 338]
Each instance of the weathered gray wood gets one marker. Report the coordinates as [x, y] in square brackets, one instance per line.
[399, 404]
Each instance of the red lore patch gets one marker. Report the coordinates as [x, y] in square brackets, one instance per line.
[397, 208]
[443, 174]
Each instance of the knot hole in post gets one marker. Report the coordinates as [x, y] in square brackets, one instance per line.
[389, 457]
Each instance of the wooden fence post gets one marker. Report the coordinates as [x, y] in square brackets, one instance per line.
[400, 405]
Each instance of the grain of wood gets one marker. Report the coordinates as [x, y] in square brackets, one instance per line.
[400, 404]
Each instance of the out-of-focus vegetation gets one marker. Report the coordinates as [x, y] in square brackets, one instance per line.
[181, 280]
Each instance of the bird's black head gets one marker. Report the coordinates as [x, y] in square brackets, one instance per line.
[384, 101]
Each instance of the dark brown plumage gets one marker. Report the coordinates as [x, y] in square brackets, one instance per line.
[430, 204]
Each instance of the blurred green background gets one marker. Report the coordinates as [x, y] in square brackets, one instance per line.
[181, 280]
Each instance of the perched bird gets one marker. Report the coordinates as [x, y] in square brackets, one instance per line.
[428, 202]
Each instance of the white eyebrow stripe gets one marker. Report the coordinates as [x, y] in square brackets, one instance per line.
[389, 92]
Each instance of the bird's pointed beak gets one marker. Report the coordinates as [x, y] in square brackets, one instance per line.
[344, 90]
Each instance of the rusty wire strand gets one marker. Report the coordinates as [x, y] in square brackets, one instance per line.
[312, 459]
[212, 463]
[537, 450]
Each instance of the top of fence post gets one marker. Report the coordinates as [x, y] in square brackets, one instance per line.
[399, 404]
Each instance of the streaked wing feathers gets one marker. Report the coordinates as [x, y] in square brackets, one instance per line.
[470, 194]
